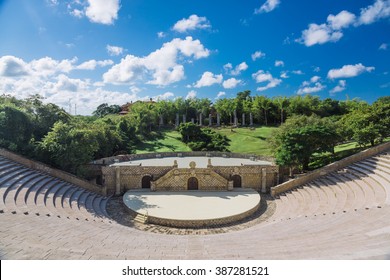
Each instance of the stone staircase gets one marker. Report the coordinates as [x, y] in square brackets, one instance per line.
[361, 185]
[30, 192]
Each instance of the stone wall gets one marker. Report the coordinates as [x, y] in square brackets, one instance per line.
[310, 176]
[173, 178]
[177, 180]
[67, 177]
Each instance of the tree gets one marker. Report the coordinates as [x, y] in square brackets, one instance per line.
[104, 109]
[300, 137]
[281, 103]
[15, 129]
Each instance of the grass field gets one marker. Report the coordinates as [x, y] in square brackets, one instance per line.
[242, 140]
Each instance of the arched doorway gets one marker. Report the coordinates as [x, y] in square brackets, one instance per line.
[192, 184]
[146, 182]
[236, 181]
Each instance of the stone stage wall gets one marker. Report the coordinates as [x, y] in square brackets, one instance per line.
[119, 179]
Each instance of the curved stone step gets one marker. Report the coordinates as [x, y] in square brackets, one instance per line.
[367, 189]
[360, 198]
[340, 195]
[8, 167]
[22, 193]
[331, 195]
[10, 192]
[315, 199]
[350, 202]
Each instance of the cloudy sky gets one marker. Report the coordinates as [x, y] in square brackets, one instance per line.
[88, 52]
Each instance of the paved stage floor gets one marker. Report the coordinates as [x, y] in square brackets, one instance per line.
[192, 205]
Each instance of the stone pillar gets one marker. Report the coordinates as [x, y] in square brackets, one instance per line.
[201, 119]
[243, 119]
[218, 120]
[184, 118]
[192, 120]
[230, 186]
[250, 119]
[210, 120]
[263, 180]
[117, 180]
[177, 120]
[235, 118]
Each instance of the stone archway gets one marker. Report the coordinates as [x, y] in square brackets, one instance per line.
[146, 182]
[237, 181]
[193, 184]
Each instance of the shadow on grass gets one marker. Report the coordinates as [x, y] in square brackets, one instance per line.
[320, 160]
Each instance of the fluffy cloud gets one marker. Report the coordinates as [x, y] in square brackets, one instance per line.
[114, 50]
[237, 70]
[319, 34]
[268, 6]
[279, 63]
[191, 94]
[341, 20]
[312, 86]
[331, 31]
[265, 77]
[379, 10]
[162, 65]
[11, 66]
[191, 23]
[97, 11]
[102, 11]
[231, 83]
[164, 96]
[208, 79]
[220, 94]
[92, 64]
[348, 71]
[339, 88]
[256, 55]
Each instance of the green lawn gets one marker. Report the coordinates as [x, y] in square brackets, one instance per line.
[169, 142]
[248, 141]
[243, 140]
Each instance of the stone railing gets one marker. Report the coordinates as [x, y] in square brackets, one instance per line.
[121, 158]
[67, 177]
[310, 176]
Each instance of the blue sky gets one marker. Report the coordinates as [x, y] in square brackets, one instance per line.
[88, 52]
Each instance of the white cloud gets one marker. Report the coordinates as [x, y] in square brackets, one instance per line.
[268, 6]
[77, 13]
[191, 23]
[47, 66]
[256, 55]
[341, 20]
[380, 9]
[102, 11]
[265, 77]
[319, 34]
[279, 63]
[312, 86]
[208, 79]
[297, 72]
[92, 64]
[11, 66]
[164, 96]
[284, 75]
[231, 83]
[114, 50]
[339, 88]
[348, 71]
[161, 34]
[162, 65]
[191, 94]
[383, 47]
[220, 94]
[317, 69]
[331, 31]
[237, 70]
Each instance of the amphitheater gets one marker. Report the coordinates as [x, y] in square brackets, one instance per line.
[339, 212]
